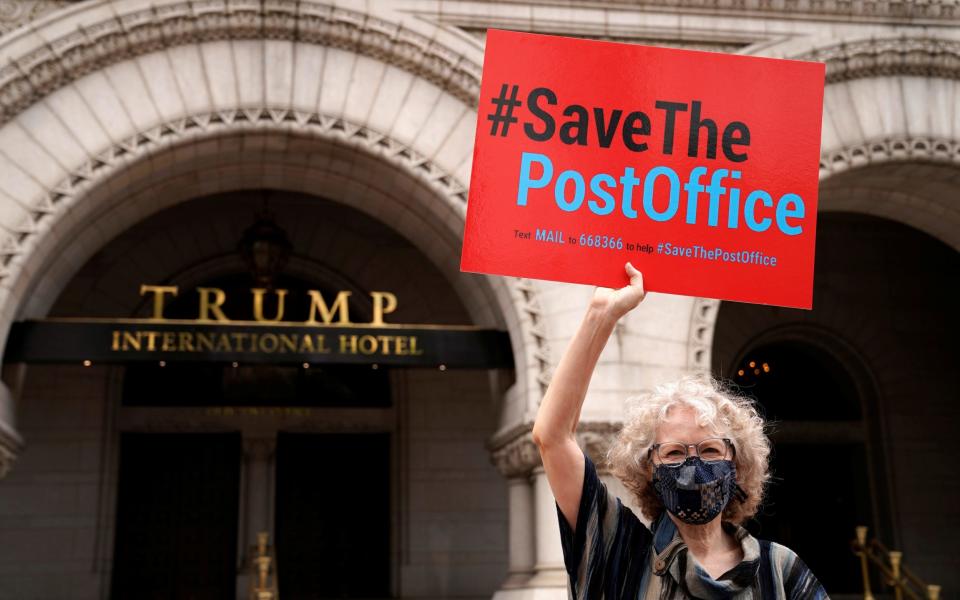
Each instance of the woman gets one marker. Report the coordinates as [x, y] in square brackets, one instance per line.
[696, 459]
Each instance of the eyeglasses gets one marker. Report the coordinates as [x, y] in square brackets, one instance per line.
[709, 450]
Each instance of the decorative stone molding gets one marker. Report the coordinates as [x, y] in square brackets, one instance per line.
[701, 39]
[897, 149]
[908, 11]
[702, 320]
[516, 458]
[888, 12]
[530, 305]
[120, 156]
[596, 438]
[14, 13]
[917, 56]
[28, 78]
[520, 455]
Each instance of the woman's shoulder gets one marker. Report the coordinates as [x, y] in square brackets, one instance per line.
[782, 558]
[779, 553]
[794, 575]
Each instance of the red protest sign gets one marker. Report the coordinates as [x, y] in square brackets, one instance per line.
[699, 168]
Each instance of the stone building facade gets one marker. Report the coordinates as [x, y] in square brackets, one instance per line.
[135, 134]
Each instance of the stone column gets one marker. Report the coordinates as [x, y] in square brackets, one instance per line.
[522, 553]
[515, 461]
[550, 571]
[536, 559]
[536, 568]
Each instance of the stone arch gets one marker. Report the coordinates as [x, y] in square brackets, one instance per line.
[238, 151]
[147, 96]
[903, 126]
[885, 131]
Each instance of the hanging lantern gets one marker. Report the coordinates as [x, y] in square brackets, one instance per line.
[265, 249]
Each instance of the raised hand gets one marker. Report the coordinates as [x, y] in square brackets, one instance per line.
[621, 301]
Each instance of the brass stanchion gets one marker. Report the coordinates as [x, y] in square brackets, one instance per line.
[262, 538]
[895, 558]
[864, 566]
[263, 566]
[891, 570]
[263, 589]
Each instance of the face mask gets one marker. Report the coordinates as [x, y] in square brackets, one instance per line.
[696, 491]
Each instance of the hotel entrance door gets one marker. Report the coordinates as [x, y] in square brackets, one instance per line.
[333, 515]
[176, 528]
[327, 494]
[178, 508]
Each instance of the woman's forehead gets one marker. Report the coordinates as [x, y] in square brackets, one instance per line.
[680, 425]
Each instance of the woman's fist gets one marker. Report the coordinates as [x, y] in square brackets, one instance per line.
[619, 302]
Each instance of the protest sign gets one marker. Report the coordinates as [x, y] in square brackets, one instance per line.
[699, 168]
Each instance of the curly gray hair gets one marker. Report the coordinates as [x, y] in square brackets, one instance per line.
[721, 409]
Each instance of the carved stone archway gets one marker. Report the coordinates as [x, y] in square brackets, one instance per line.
[136, 100]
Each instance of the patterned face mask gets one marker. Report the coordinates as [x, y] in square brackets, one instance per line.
[696, 491]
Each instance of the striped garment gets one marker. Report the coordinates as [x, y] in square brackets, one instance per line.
[613, 556]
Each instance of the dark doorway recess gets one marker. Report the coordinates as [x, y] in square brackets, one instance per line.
[821, 485]
[884, 318]
[333, 515]
[798, 381]
[177, 508]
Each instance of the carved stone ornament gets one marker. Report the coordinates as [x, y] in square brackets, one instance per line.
[520, 456]
[890, 150]
[28, 78]
[884, 10]
[882, 57]
[700, 343]
[256, 120]
[529, 302]
[596, 438]
[14, 13]
[516, 458]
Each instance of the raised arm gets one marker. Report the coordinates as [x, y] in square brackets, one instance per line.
[559, 413]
